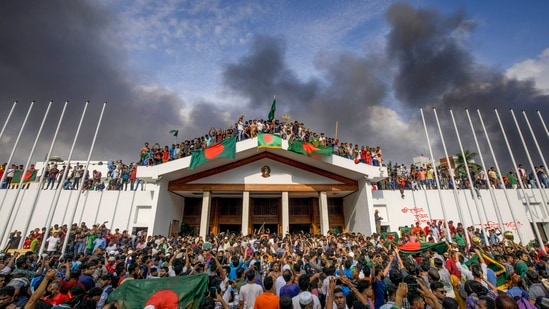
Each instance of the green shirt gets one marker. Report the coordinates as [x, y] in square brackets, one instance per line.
[89, 241]
[521, 268]
[460, 240]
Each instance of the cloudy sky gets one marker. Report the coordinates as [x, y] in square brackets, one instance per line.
[193, 65]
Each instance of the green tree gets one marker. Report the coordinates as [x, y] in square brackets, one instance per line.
[469, 158]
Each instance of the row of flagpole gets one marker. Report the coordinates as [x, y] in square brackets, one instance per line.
[482, 217]
[15, 205]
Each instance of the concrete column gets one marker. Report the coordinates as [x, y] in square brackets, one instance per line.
[245, 212]
[205, 215]
[285, 213]
[323, 211]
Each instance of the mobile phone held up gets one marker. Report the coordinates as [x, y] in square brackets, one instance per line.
[213, 293]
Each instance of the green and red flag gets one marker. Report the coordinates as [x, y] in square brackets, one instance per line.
[419, 247]
[225, 149]
[494, 265]
[267, 140]
[390, 236]
[174, 132]
[16, 177]
[170, 292]
[30, 175]
[309, 149]
[272, 112]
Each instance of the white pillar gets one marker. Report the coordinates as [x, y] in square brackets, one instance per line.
[245, 212]
[205, 215]
[323, 211]
[285, 213]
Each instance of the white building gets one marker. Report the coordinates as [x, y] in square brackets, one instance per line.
[300, 194]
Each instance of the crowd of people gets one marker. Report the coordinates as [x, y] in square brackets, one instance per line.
[120, 176]
[266, 270]
[245, 129]
[422, 177]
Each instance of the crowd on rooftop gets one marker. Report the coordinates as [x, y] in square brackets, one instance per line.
[245, 129]
[266, 270]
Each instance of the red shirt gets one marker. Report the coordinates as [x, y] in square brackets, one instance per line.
[452, 268]
[67, 285]
[56, 299]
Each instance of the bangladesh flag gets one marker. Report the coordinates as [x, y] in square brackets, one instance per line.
[272, 112]
[404, 230]
[174, 132]
[493, 265]
[30, 176]
[309, 149]
[225, 149]
[16, 177]
[391, 236]
[170, 292]
[266, 140]
[419, 247]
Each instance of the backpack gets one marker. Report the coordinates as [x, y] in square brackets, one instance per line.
[523, 303]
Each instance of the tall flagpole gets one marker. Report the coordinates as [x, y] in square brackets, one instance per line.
[57, 194]
[8, 166]
[20, 186]
[491, 190]
[131, 208]
[7, 120]
[531, 164]
[35, 201]
[98, 206]
[541, 118]
[115, 209]
[456, 197]
[535, 141]
[471, 182]
[73, 212]
[448, 236]
[500, 175]
[528, 212]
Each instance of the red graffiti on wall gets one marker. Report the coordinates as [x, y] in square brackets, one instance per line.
[495, 225]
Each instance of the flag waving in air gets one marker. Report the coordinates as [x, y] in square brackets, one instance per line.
[170, 292]
[419, 247]
[225, 149]
[174, 132]
[271, 115]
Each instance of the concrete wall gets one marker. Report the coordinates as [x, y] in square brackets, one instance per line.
[119, 208]
[427, 205]
[357, 209]
[169, 207]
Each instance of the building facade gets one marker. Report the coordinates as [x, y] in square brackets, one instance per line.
[271, 189]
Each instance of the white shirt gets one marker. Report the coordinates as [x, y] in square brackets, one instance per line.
[248, 294]
[279, 283]
[52, 243]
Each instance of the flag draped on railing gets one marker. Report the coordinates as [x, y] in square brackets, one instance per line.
[267, 140]
[309, 149]
[225, 149]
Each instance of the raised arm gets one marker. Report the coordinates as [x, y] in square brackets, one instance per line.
[41, 290]
[352, 287]
[330, 297]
